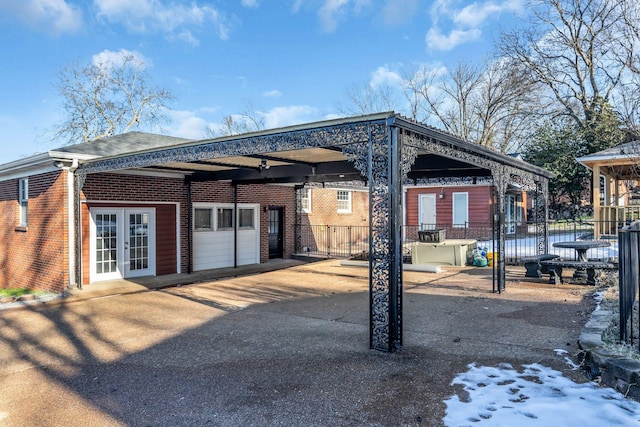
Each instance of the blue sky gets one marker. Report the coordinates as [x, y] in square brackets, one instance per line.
[291, 61]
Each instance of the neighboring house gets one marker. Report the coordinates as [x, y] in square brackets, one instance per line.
[133, 223]
[460, 203]
[339, 205]
[428, 205]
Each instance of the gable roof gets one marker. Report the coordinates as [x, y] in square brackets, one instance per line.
[125, 143]
[624, 153]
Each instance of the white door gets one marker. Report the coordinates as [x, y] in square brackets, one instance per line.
[122, 243]
[427, 211]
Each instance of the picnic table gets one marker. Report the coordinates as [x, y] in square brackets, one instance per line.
[581, 247]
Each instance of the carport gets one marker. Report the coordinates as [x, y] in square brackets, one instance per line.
[384, 150]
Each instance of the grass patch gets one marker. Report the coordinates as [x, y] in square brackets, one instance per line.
[18, 292]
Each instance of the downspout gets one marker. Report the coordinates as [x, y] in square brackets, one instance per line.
[189, 229]
[71, 220]
[235, 225]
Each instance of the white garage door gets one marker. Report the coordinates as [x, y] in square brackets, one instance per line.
[213, 235]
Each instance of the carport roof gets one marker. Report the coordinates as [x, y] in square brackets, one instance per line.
[312, 152]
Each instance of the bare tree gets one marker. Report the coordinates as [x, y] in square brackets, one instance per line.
[251, 120]
[578, 49]
[107, 98]
[365, 99]
[507, 107]
[492, 105]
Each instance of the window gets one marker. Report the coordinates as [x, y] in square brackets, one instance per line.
[220, 217]
[460, 209]
[225, 219]
[23, 198]
[344, 201]
[245, 218]
[203, 219]
[305, 200]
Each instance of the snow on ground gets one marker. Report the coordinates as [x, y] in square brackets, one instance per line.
[528, 246]
[535, 396]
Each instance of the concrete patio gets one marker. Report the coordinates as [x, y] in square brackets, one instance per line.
[284, 347]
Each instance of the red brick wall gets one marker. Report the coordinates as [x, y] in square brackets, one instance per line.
[324, 208]
[124, 191]
[265, 195]
[133, 188]
[35, 257]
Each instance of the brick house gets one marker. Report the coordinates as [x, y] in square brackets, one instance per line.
[132, 223]
[427, 205]
[141, 204]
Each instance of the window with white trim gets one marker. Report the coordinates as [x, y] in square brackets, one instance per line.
[23, 199]
[225, 219]
[219, 217]
[305, 200]
[246, 218]
[203, 219]
[460, 209]
[344, 201]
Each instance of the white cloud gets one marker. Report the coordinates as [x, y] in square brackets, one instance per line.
[253, 4]
[438, 41]
[397, 13]
[330, 12]
[187, 37]
[155, 15]
[287, 116]
[55, 16]
[383, 76]
[463, 25]
[108, 58]
[272, 94]
[187, 124]
[475, 14]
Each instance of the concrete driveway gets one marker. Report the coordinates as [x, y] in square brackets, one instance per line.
[287, 347]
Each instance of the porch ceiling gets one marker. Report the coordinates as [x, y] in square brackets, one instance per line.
[326, 164]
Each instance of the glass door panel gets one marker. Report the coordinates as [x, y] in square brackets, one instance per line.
[138, 246]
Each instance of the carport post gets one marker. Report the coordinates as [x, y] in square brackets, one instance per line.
[384, 165]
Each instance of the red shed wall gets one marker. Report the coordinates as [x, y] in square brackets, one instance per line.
[479, 203]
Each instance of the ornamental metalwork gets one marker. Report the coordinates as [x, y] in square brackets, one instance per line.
[383, 164]
[541, 215]
[321, 137]
[383, 156]
[448, 150]
[453, 181]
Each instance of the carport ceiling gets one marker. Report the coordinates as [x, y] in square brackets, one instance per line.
[326, 164]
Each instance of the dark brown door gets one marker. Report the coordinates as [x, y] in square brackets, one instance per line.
[276, 240]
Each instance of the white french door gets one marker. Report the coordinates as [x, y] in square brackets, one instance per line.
[122, 243]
